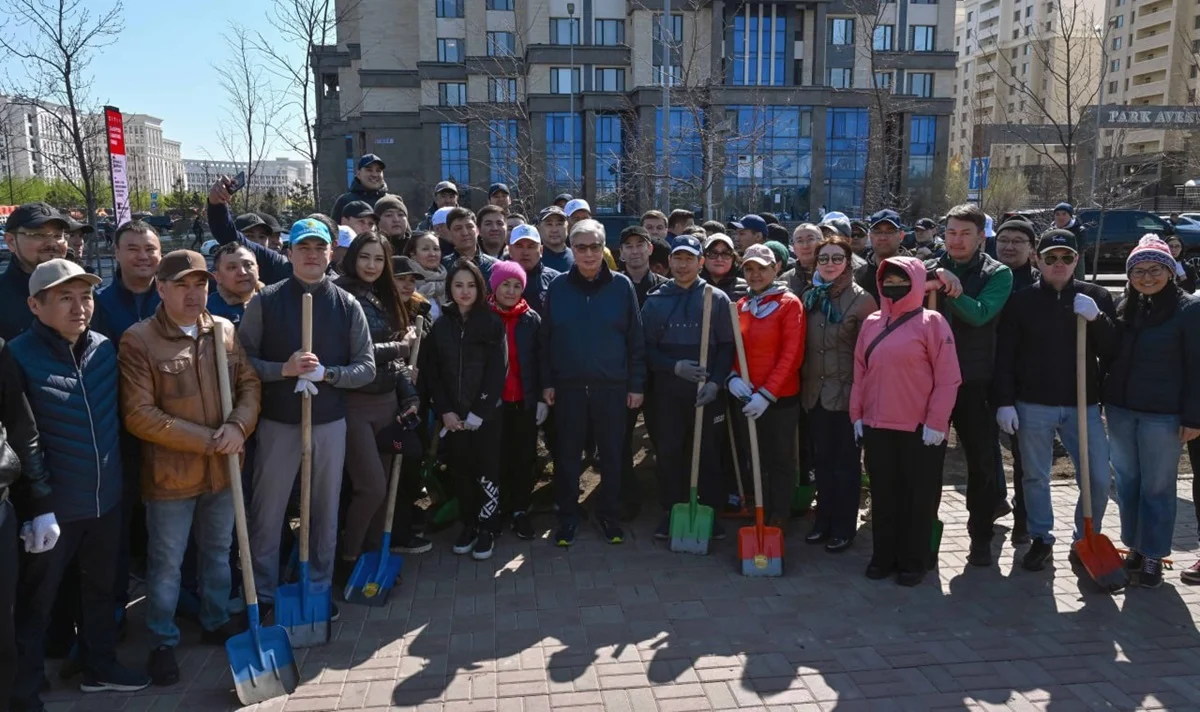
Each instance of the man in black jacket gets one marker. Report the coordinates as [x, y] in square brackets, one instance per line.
[368, 185]
[1064, 219]
[35, 233]
[1035, 383]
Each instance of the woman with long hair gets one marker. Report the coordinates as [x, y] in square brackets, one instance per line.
[1185, 274]
[425, 250]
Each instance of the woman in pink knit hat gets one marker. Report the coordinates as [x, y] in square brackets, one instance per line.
[1152, 404]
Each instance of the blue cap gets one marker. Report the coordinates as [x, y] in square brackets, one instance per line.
[306, 228]
[369, 159]
[886, 215]
[752, 222]
[1064, 206]
[498, 188]
[686, 243]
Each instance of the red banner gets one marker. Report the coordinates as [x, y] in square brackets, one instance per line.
[115, 126]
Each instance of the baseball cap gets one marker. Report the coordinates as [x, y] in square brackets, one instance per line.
[245, 221]
[439, 216]
[370, 158]
[271, 223]
[345, 236]
[752, 222]
[498, 188]
[925, 224]
[887, 215]
[1055, 239]
[721, 238]
[838, 223]
[564, 196]
[34, 215]
[634, 231]
[524, 232]
[552, 210]
[760, 254]
[358, 209]
[306, 228]
[403, 266]
[445, 186]
[686, 243]
[73, 225]
[577, 204]
[58, 271]
[177, 264]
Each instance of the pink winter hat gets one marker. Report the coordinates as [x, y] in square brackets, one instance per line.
[1150, 248]
[506, 270]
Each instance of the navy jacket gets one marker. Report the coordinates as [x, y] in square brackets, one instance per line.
[592, 333]
[272, 266]
[482, 261]
[15, 317]
[537, 283]
[558, 261]
[219, 307]
[117, 308]
[73, 394]
[672, 319]
[357, 191]
[526, 357]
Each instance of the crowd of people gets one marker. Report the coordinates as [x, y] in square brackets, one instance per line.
[863, 346]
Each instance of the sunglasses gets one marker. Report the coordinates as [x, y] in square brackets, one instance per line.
[835, 259]
[588, 247]
[1055, 259]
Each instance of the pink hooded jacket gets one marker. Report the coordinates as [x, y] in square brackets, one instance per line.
[913, 375]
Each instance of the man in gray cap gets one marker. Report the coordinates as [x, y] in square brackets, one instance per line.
[368, 185]
[445, 196]
[35, 233]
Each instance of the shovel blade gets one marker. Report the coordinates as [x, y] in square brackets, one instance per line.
[761, 551]
[1102, 561]
[264, 669]
[303, 608]
[691, 528]
[373, 577]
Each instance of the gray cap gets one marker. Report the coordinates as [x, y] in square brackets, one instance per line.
[55, 272]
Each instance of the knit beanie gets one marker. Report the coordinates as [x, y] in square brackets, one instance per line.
[781, 253]
[390, 202]
[1150, 248]
[506, 270]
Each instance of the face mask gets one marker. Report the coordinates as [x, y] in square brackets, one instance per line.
[895, 291]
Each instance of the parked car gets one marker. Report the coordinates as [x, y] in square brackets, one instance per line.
[1121, 231]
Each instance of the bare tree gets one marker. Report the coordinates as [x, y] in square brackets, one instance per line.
[248, 134]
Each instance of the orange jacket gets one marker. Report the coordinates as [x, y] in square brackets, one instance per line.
[773, 327]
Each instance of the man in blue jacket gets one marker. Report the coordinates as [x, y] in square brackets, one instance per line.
[236, 273]
[368, 185]
[35, 233]
[272, 266]
[525, 248]
[594, 371]
[70, 377]
[132, 295]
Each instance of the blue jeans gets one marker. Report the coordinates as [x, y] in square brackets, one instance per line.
[1145, 458]
[170, 526]
[1037, 426]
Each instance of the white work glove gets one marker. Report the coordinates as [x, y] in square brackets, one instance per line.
[932, 437]
[306, 387]
[472, 422]
[542, 411]
[44, 534]
[316, 375]
[1086, 307]
[857, 430]
[1006, 418]
[740, 389]
[756, 407]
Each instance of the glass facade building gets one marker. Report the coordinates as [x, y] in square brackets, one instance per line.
[846, 134]
[609, 151]
[564, 151]
[768, 160]
[502, 152]
[455, 157]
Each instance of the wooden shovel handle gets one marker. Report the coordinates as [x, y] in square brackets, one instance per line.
[698, 427]
[305, 434]
[235, 470]
[750, 426]
[1081, 413]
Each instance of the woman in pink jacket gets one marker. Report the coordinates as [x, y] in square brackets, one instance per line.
[906, 378]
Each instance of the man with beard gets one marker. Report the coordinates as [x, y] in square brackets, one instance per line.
[368, 185]
[553, 228]
[236, 273]
[493, 233]
[35, 233]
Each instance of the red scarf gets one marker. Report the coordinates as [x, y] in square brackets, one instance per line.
[514, 391]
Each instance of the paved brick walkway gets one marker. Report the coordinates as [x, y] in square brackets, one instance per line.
[637, 628]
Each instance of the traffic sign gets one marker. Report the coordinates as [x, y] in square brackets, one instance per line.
[978, 179]
[154, 201]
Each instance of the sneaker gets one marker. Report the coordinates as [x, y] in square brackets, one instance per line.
[910, 578]
[1134, 562]
[522, 525]
[412, 545]
[1038, 556]
[1003, 509]
[718, 532]
[119, 678]
[663, 531]
[612, 531]
[485, 542]
[1020, 531]
[565, 536]
[981, 553]
[837, 545]
[217, 637]
[1151, 575]
[334, 612]
[875, 571]
[163, 669]
[466, 539]
[816, 536]
[1191, 575]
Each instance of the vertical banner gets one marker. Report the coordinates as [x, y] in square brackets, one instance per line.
[115, 126]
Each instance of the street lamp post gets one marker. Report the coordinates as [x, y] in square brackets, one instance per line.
[572, 35]
[1102, 36]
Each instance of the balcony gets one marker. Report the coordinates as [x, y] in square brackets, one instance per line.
[916, 60]
[1156, 62]
[990, 14]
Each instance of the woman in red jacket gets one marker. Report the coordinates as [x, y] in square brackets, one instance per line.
[772, 325]
[906, 379]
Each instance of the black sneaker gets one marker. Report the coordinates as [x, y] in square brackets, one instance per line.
[837, 545]
[119, 678]
[412, 545]
[1038, 556]
[910, 578]
[816, 536]
[485, 543]
[1134, 562]
[1191, 575]
[718, 532]
[1151, 575]
[466, 539]
[663, 531]
[565, 536]
[1020, 531]
[522, 525]
[227, 630]
[163, 669]
[981, 553]
[612, 532]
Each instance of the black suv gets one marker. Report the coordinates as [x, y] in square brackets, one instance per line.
[1120, 234]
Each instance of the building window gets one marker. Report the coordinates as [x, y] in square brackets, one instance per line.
[609, 79]
[846, 142]
[454, 153]
[500, 4]
[1116, 43]
[920, 84]
[1112, 88]
[501, 44]
[564, 30]
[841, 31]
[920, 38]
[561, 80]
[768, 160]
[1114, 66]
[922, 134]
[883, 80]
[924, 2]
[882, 42]
[663, 75]
[676, 28]
[759, 35]
[450, 50]
[502, 152]
[841, 77]
[686, 148]
[502, 90]
[450, 8]
[609, 32]
[452, 93]
[608, 164]
[564, 152]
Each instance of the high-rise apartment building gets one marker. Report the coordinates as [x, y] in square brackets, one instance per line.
[276, 174]
[771, 103]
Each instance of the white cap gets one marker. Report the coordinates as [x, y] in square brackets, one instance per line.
[524, 232]
[439, 217]
[988, 226]
[577, 204]
[345, 236]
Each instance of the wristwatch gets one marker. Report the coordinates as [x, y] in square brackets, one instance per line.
[330, 376]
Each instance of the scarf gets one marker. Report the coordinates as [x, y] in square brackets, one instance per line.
[819, 297]
[433, 287]
[514, 391]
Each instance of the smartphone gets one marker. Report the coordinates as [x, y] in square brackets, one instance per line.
[239, 182]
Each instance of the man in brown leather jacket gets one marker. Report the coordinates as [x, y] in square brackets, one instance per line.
[171, 401]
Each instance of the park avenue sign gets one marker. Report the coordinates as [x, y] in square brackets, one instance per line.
[1150, 117]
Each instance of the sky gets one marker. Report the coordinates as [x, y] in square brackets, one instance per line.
[162, 65]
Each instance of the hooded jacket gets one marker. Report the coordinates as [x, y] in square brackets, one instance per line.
[672, 318]
[912, 377]
[773, 327]
[357, 191]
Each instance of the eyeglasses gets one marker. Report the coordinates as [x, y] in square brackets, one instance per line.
[826, 259]
[1153, 272]
[588, 247]
[56, 236]
[719, 255]
[1055, 259]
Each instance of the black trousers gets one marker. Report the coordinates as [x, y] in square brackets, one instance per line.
[518, 452]
[836, 460]
[905, 491]
[804, 443]
[9, 528]
[673, 412]
[576, 408]
[92, 545]
[474, 460]
[1193, 448]
[631, 492]
[777, 455]
[974, 419]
